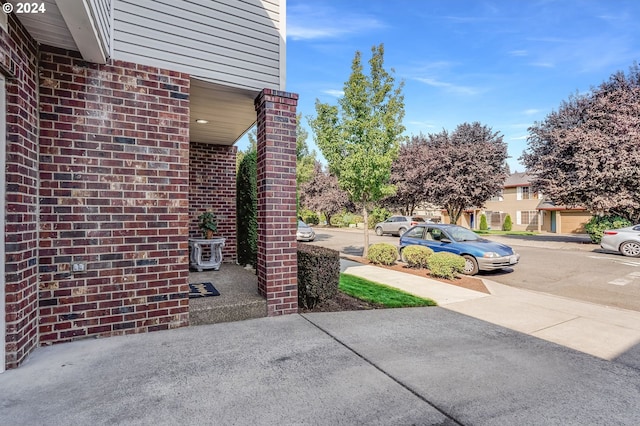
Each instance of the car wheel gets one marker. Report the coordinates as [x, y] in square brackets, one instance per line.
[630, 248]
[470, 265]
[379, 231]
[402, 231]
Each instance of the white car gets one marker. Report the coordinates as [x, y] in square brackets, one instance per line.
[397, 225]
[305, 232]
[623, 240]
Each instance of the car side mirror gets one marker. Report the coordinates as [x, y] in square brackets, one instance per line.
[445, 240]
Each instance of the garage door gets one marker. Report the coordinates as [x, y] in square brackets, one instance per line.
[573, 222]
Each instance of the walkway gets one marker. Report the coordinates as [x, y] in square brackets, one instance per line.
[597, 330]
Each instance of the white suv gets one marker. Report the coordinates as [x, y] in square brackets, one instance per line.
[397, 225]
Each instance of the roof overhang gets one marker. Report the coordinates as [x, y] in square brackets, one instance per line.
[229, 112]
[67, 24]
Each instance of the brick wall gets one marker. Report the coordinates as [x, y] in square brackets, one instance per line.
[18, 60]
[212, 187]
[114, 145]
[277, 259]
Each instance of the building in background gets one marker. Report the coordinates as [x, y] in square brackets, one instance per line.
[529, 210]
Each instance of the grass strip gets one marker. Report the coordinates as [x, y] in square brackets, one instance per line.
[384, 295]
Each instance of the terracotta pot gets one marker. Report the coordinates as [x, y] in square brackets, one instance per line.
[209, 234]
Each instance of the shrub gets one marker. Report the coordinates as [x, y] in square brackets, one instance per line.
[382, 253]
[309, 217]
[417, 256]
[446, 265]
[247, 210]
[318, 274]
[507, 224]
[379, 214]
[356, 219]
[483, 223]
[598, 224]
[336, 220]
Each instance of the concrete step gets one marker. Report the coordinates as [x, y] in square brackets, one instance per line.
[205, 311]
[239, 298]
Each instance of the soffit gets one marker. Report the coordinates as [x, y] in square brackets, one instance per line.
[49, 27]
[230, 112]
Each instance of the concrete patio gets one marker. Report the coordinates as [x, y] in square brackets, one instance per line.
[239, 298]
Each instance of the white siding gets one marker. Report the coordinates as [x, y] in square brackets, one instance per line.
[232, 42]
[101, 14]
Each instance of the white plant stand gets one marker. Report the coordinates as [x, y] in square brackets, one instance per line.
[215, 244]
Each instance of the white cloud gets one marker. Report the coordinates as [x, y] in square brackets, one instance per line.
[421, 124]
[531, 111]
[519, 138]
[463, 90]
[519, 53]
[543, 64]
[315, 22]
[333, 92]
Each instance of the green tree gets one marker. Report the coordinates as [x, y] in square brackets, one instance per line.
[305, 159]
[252, 135]
[483, 223]
[507, 225]
[360, 137]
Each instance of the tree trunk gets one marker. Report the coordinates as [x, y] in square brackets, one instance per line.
[327, 217]
[365, 216]
[454, 214]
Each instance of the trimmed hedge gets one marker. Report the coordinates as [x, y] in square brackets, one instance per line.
[382, 253]
[446, 265]
[247, 210]
[417, 256]
[318, 274]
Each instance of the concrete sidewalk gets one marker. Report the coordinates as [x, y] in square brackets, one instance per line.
[597, 330]
[421, 366]
[448, 365]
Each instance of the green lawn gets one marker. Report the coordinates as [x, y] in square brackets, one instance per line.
[374, 292]
[497, 232]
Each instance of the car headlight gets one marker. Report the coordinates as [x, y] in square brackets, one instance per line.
[491, 254]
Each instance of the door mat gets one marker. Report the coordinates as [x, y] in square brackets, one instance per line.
[202, 290]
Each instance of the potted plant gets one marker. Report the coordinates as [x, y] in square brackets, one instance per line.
[208, 224]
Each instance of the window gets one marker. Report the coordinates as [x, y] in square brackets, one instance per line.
[414, 233]
[498, 197]
[433, 234]
[495, 219]
[524, 193]
[527, 217]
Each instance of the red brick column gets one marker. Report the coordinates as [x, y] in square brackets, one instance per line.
[18, 56]
[277, 223]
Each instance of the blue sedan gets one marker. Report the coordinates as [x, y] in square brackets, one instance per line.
[480, 254]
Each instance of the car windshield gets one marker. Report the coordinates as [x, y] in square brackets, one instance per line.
[462, 234]
[301, 224]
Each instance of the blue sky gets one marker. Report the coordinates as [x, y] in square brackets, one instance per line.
[504, 63]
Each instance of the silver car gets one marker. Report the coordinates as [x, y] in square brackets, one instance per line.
[623, 240]
[305, 232]
[397, 225]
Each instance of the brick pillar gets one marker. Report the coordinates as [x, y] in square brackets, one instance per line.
[277, 222]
